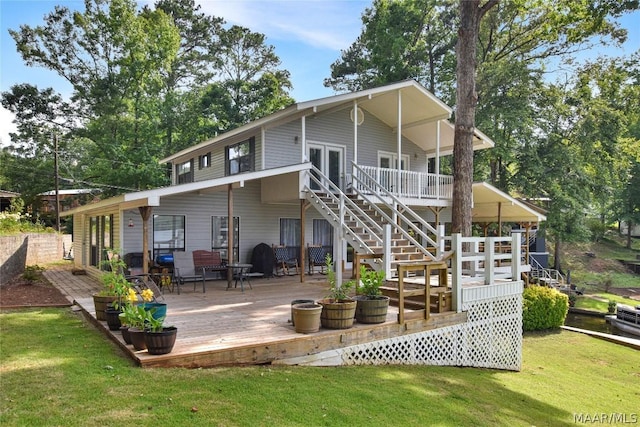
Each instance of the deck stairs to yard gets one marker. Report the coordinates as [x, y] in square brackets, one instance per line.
[545, 276]
[363, 224]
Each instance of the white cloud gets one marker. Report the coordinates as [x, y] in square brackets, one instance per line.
[6, 126]
[332, 25]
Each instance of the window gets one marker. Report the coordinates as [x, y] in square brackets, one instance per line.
[322, 233]
[168, 234]
[204, 161]
[184, 172]
[220, 236]
[101, 235]
[290, 231]
[240, 157]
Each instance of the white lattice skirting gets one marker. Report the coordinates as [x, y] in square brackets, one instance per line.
[491, 338]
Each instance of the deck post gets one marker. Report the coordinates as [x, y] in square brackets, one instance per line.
[516, 254]
[386, 249]
[456, 272]
[489, 260]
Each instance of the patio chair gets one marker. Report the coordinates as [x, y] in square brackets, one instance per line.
[316, 255]
[210, 263]
[284, 262]
[184, 270]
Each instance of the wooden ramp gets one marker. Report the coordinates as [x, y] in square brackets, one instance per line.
[230, 327]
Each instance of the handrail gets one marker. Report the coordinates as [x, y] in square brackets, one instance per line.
[344, 200]
[409, 221]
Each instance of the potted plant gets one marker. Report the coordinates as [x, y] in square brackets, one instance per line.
[115, 287]
[371, 306]
[133, 317]
[159, 339]
[338, 309]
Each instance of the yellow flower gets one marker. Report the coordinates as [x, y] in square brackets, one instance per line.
[132, 296]
[147, 295]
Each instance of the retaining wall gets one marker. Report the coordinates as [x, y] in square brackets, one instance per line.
[16, 252]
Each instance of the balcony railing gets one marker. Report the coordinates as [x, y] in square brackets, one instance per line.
[414, 185]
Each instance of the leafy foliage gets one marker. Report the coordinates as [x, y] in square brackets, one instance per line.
[543, 308]
[337, 291]
[371, 281]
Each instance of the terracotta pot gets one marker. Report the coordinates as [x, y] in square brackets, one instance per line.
[306, 317]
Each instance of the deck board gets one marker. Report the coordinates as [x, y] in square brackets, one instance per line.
[224, 327]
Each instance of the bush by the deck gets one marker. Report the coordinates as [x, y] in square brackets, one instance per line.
[543, 308]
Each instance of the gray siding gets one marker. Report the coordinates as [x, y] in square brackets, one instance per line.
[281, 147]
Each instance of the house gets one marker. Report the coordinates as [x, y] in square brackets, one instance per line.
[6, 197]
[68, 199]
[356, 173]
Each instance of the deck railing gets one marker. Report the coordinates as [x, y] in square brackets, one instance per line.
[415, 185]
[484, 261]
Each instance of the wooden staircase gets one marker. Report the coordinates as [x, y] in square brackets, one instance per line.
[360, 227]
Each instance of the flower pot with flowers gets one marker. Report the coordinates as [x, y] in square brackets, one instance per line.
[338, 309]
[134, 317]
[159, 339]
[115, 286]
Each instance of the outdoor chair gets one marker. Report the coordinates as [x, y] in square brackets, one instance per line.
[316, 256]
[210, 263]
[284, 262]
[184, 270]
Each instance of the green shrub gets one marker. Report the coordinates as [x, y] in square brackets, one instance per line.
[32, 273]
[543, 308]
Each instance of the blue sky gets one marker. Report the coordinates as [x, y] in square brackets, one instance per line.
[307, 34]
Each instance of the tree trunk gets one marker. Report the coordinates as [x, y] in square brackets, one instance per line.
[556, 254]
[630, 225]
[466, 98]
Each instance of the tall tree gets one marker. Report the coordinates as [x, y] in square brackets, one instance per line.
[251, 84]
[466, 99]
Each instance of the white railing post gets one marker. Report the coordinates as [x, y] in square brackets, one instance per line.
[489, 260]
[386, 249]
[456, 272]
[440, 240]
[475, 265]
[339, 255]
[516, 254]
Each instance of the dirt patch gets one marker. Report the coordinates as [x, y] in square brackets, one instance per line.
[633, 293]
[19, 292]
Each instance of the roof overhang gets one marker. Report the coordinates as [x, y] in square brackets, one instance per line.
[406, 106]
[152, 197]
[493, 205]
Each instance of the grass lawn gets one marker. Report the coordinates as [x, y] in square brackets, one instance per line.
[57, 370]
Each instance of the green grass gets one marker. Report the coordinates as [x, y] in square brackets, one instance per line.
[57, 370]
[600, 301]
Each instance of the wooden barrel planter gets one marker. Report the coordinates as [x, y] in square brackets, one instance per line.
[337, 314]
[372, 309]
[161, 342]
[100, 303]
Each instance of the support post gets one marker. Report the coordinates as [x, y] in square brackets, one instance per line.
[456, 272]
[489, 260]
[516, 253]
[386, 249]
[145, 213]
[230, 234]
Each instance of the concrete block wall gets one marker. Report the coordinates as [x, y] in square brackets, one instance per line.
[18, 251]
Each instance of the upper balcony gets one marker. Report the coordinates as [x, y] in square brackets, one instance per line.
[414, 187]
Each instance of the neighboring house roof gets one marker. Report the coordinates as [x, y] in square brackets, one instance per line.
[8, 194]
[491, 204]
[421, 113]
[72, 192]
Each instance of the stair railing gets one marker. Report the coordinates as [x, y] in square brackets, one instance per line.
[401, 210]
[350, 208]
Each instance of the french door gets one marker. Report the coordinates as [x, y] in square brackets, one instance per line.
[329, 159]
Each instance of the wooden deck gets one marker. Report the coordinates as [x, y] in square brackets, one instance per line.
[229, 327]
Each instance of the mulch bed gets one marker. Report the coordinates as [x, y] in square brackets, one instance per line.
[18, 292]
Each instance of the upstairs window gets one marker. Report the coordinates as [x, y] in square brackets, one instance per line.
[184, 172]
[204, 161]
[240, 157]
